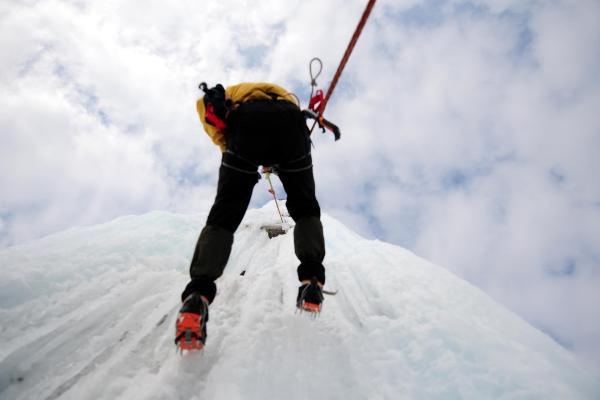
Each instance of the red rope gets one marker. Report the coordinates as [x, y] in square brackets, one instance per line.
[338, 73]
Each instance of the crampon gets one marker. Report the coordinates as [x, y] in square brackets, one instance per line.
[190, 328]
[310, 297]
[188, 335]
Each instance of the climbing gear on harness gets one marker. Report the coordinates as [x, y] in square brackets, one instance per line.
[323, 123]
[315, 99]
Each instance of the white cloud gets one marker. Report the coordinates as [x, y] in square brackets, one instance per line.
[470, 129]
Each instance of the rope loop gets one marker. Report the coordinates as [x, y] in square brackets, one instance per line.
[313, 77]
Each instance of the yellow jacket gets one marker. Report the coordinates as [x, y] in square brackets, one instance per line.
[238, 94]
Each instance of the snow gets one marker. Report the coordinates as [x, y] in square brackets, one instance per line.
[89, 314]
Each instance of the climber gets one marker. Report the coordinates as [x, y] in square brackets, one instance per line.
[253, 124]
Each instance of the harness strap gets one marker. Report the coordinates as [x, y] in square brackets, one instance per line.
[254, 164]
[274, 167]
[243, 171]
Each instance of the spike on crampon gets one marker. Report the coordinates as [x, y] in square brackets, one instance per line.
[188, 335]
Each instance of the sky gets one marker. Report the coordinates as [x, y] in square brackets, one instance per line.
[470, 129]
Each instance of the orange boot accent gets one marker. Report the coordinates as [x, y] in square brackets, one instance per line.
[188, 335]
[311, 307]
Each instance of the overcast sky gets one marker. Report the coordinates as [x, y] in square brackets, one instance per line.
[471, 129]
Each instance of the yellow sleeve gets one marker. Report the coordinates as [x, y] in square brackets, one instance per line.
[217, 137]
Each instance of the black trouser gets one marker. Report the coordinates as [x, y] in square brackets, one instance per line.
[270, 133]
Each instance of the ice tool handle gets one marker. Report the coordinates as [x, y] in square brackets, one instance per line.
[323, 123]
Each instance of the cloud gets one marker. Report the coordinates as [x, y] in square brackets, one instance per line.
[478, 146]
[470, 128]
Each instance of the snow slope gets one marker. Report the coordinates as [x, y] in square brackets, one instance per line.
[89, 314]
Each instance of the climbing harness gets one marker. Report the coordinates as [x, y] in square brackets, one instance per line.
[315, 99]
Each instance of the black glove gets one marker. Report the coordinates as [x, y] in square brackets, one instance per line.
[216, 97]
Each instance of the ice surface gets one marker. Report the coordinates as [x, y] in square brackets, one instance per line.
[90, 313]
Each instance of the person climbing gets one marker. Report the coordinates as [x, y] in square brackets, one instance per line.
[253, 124]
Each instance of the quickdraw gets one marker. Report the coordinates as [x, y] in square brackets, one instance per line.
[315, 101]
